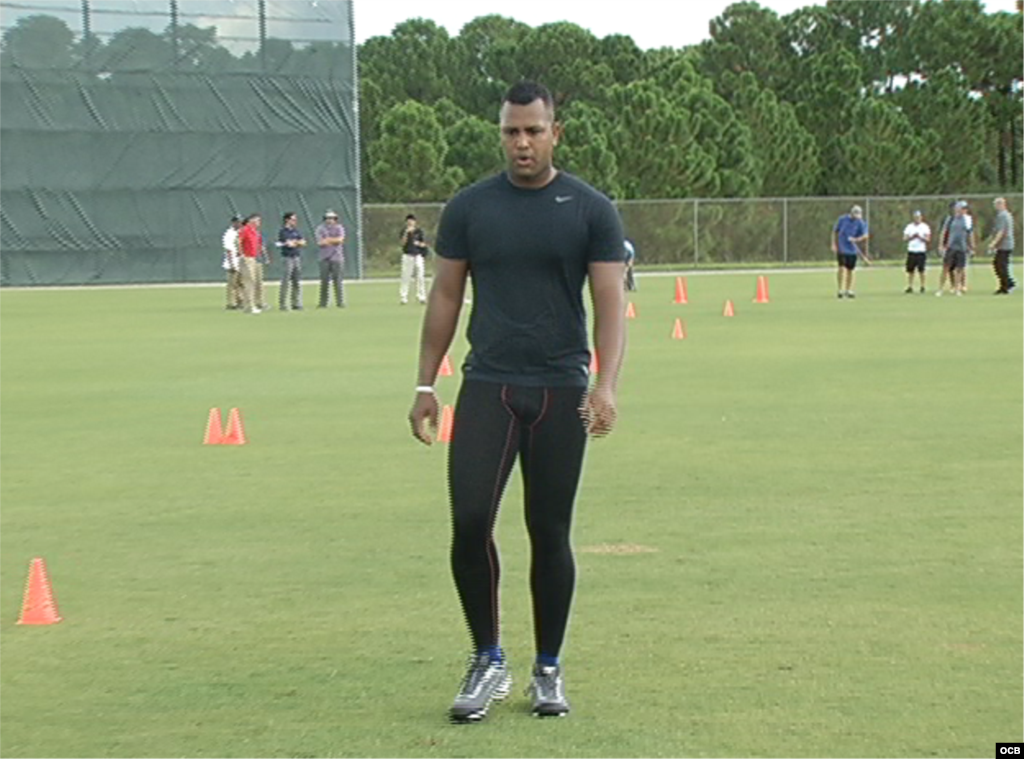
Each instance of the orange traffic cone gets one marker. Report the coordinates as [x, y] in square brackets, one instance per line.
[38, 607]
[728, 310]
[234, 434]
[446, 367]
[630, 311]
[679, 331]
[762, 290]
[213, 435]
[681, 290]
[444, 429]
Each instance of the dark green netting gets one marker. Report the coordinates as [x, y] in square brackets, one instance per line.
[131, 132]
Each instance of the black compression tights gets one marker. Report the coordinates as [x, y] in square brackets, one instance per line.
[493, 424]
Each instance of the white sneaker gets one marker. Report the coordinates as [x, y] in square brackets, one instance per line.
[938, 294]
[255, 311]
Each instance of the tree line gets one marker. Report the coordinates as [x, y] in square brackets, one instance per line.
[856, 97]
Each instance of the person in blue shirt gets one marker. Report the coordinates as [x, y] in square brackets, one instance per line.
[290, 242]
[848, 232]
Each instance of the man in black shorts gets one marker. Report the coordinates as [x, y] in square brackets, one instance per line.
[917, 234]
[530, 237]
[847, 234]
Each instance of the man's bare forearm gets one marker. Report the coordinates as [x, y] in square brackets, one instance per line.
[609, 326]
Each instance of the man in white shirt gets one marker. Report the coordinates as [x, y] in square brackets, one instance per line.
[230, 264]
[917, 235]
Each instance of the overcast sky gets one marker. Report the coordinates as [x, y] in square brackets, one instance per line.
[651, 23]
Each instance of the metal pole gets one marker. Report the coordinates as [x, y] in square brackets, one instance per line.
[360, 249]
[174, 32]
[785, 231]
[86, 31]
[696, 233]
[867, 220]
[262, 9]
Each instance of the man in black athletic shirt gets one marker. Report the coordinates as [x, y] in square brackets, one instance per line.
[530, 236]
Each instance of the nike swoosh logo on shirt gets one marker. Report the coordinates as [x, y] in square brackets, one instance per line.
[563, 198]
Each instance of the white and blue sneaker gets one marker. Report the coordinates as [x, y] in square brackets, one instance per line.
[547, 689]
[485, 681]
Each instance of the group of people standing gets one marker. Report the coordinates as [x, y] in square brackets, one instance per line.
[957, 241]
[245, 255]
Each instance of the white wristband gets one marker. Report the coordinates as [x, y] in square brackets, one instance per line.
[424, 389]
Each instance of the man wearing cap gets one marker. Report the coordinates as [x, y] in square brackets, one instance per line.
[230, 263]
[849, 230]
[956, 239]
[917, 235]
[1000, 247]
[329, 237]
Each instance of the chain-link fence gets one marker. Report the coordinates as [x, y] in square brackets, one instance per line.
[721, 232]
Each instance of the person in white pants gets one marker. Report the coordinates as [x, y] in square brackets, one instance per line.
[414, 253]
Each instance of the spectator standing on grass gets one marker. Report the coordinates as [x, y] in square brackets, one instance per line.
[414, 253]
[1000, 247]
[957, 240]
[291, 242]
[917, 235]
[330, 236]
[251, 242]
[532, 236]
[262, 260]
[847, 233]
[232, 266]
[943, 239]
[972, 238]
[630, 260]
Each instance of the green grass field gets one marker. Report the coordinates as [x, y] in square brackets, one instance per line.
[829, 493]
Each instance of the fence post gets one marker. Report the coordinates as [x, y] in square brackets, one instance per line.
[696, 233]
[785, 231]
[867, 220]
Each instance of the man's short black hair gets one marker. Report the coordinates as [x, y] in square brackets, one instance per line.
[251, 216]
[411, 216]
[525, 92]
[287, 215]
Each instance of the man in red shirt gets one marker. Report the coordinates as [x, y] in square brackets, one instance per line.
[251, 242]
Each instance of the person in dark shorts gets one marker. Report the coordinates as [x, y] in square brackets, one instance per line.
[530, 236]
[848, 231]
[946, 275]
[917, 234]
[957, 240]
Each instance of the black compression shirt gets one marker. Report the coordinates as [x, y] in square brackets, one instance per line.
[528, 252]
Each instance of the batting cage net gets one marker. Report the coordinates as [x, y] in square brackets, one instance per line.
[131, 131]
